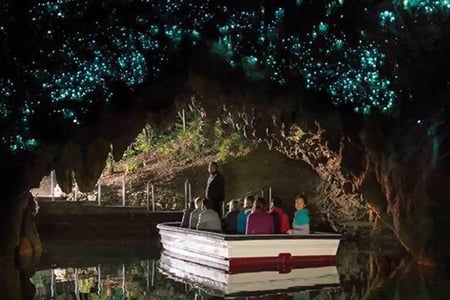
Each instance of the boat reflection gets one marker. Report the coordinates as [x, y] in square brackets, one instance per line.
[296, 282]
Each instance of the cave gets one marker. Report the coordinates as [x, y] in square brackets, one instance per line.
[359, 92]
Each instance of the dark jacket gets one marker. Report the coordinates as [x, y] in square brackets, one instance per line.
[259, 222]
[230, 222]
[215, 190]
[186, 217]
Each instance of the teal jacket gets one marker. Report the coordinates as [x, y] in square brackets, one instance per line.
[301, 217]
[242, 220]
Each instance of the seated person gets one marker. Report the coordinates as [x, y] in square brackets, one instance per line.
[280, 218]
[230, 220]
[259, 221]
[300, 224]
[243, 214]
[187, 214]
[193, 218]
[209, 219]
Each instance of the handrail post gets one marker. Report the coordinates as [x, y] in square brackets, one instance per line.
[99, 192]
[148, 274]
[148, 195]
[184, 119]
[270, 195]
[74, 186]
[190, 193]
[52, 184]
[153, 197]
[76, 282]
[153, 273]
[150, 190]
[186, 193]
[75, 191]
[123, 278]
[52, 284]
[123, 191]
[99, 273]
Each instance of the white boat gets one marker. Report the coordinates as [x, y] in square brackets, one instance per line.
[238, 253]
[220, 283]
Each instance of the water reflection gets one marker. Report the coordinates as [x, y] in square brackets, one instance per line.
[108, 270]
[135, 270]
[131, 281]
[137, 281]
[248, 283]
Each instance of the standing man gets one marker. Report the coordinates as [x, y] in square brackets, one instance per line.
[215, 188]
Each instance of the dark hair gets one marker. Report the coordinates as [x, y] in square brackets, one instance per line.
[303, 197]
[234, 204]
[207, 203]
[214, 164]
[249, 199]
[277, 202]
[259, 203]
[198, 201]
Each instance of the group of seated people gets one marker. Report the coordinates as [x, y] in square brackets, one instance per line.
[252, 219]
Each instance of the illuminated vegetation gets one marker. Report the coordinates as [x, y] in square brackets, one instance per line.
[193, 141]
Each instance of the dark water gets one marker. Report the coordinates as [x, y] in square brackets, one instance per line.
[132, 270]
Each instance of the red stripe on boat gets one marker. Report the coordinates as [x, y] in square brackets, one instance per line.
[283, 263]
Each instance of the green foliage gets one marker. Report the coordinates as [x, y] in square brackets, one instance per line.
[218, 130]
[187, 145]
[134, 164]
[233, 145]
[142, 142]
[187, 141]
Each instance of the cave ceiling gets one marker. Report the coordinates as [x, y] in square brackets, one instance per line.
[79, 76]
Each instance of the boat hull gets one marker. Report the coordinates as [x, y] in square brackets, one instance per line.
[239, 253]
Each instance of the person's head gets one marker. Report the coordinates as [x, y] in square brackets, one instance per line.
[206, 204]
[198, 202]
[213, 168]
[258, 203]
[275, 202]
[300, 202]
[233, 205]
[248, 201]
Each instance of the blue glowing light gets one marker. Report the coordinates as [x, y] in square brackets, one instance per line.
[133, 42]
